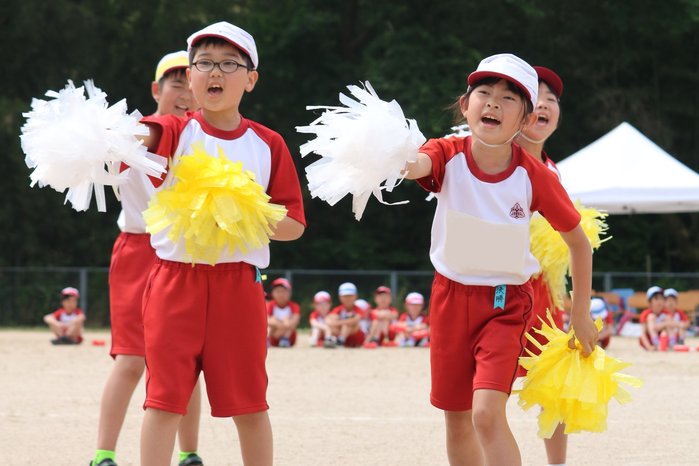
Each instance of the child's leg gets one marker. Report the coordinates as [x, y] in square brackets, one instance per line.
[188, 432]
[58, 329]
[463, 447]
[75, 329]
[490, 423]
[117, 393]
[158, 436]
[556, 446]
[315, 335]
[255, 434]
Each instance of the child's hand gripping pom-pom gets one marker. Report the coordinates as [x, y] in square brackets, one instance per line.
[552, 252]
[364, 147]
[214, 205]
[570, 388]
[78, 143]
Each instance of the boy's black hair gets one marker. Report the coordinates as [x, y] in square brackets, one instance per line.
[489, 81]
[176, 73]
[558, 99]
[216, 41]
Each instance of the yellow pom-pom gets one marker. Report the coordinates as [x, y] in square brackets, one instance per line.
[570, 388]
[552, 252]
[214, 205]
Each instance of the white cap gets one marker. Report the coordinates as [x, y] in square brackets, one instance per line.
[414, 298]
[347, 288]
[322, 296]
[671, 292]
[653, 290]
[70, 291]
[511, 68]
[362, 304]
[239, 38]
[598, 308]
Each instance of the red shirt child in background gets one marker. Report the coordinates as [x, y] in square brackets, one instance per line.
[283, 315]
[679, 322]
[654, 320]
[382, 316]
[67, 322]
[344, 319]
[319, 328]
[413, 327]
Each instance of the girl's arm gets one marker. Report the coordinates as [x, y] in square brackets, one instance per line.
[288, 229]
[581, 272]
[420, 168]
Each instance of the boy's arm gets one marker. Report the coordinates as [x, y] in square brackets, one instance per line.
[645, 342]
[288, 229]
[421, 168]
[50, 319]
[581, 272]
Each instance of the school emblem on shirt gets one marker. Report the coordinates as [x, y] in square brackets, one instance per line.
[516, 211]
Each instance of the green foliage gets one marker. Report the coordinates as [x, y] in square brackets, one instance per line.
[620, 61]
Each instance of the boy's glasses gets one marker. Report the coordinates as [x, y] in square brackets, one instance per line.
[227, 66]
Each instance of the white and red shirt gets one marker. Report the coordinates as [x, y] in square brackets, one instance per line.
[261, 151]
[480, 232]
[374, 311]
[135, 194]
[345, 313]
[410, 322]
[550, 164]
[282, 313]
[317, 316]
[65, 317]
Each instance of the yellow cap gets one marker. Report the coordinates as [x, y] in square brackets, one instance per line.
[170, 62]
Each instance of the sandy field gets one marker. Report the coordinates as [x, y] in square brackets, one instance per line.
[330, 407]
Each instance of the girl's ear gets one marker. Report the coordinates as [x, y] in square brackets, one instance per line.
[463, 104]
[528, 121]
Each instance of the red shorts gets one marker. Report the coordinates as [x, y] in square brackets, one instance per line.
[132, 259]
[355, 340]
[211, 319]
[542, 303]
[292, 340]
[474, 346]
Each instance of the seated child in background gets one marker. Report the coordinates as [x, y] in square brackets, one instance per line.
[319, 328]
[599, 309]
[382, 316]
[654, 320]
[679, 322]
[67, 322]
[344, 319]
[283, 315]
[413, 325]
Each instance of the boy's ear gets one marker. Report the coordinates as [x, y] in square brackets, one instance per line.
[253, 76]
[155, 91]
[188, 74]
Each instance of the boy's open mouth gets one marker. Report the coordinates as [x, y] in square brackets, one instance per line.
[542, 120]
[215, 89]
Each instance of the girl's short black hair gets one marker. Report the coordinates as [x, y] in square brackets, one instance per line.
[216, 41]
[489, 81]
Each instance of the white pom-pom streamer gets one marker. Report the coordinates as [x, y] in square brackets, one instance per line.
[77, 144]
[364, 147]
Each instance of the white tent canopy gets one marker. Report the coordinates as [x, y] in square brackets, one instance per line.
[624, 172]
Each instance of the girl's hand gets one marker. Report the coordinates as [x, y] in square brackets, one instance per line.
[585, 332]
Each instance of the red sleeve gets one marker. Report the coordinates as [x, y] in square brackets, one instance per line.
[313, 315]
[283, 187]
[440, 151]
[683, 316]
[336, 310]
[403, 317]
[171, 127]
[57, 314]
[426, 319]
[644, 316]
[270, 308]
[295, 308]
[549, 197]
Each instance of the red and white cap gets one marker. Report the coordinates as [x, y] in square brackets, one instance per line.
[283, 282]
[347, 289]
[671, 292]
[652, 291]
[383, 289]
[414, 298]
[236, 36]
[322, 297]
[70, 291]
[511, 68]
[550, 77]
[362, 304]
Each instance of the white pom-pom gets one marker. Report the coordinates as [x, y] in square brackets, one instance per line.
[78, 143]
[364, 147]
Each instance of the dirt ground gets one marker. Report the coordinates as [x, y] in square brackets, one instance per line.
[330, 407]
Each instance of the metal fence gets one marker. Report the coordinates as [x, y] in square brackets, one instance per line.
[27, 293]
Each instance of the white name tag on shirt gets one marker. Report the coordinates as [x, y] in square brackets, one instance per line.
[475, 245]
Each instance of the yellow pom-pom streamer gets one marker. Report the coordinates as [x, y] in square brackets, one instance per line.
[552, 252]
[214, 205]
[570, 388]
